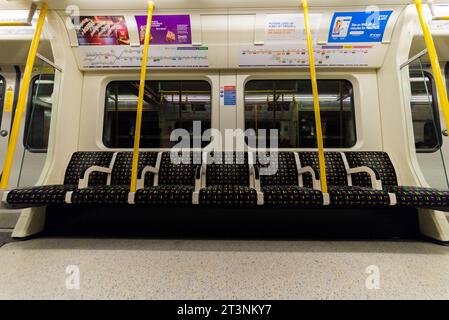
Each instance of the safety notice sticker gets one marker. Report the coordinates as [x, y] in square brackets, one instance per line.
[347, 27]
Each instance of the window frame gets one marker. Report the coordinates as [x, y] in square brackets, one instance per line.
[109, 80]
[332, 78]
[28, 116]
[435, 112]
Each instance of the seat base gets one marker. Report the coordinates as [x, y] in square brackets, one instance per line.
[229, 223]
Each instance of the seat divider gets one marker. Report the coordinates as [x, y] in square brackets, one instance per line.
[141, 182]
[255, 181]
[200, 183]
[158, 168]
[315, 181]
[68, 197]
[375, 183]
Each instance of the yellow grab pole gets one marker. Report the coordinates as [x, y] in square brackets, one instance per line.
[21, 103]
[143, 76]
[442, 93]
[14, 24]
[316, 101]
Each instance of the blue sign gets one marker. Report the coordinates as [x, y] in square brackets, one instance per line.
[230, 96]
[358, 26]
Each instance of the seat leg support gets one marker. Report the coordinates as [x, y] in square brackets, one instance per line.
[31, 222]
[434, 224]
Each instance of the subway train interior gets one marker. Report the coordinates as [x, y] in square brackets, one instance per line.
[292, 122]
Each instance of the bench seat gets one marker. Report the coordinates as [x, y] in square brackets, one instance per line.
[165, 196]
[40, 195]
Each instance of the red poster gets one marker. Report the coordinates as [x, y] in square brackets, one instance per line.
[101, 30]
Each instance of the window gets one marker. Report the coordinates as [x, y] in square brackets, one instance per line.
[37, 126]
[287, 105]
[168, 105]
[2, 95]
[426, 120]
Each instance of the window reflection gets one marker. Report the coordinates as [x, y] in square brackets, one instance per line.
[287, 105]
[168, 105]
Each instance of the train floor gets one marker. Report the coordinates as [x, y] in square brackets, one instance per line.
[81, 268]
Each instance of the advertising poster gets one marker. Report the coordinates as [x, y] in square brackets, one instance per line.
[289, 27]
[101, 30]
[166, 30]
[358, 26]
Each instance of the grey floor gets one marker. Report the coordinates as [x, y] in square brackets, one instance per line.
[175, 269]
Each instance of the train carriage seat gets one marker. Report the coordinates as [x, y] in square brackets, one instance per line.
[116, 191]
[341, 192]
[406, 196]
[79, 164]
[174, 181]
[228, 180]
[280, 182]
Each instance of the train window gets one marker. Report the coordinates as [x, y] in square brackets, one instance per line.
[168, 105]
[287, 105]
[2, 95]
[37, 126]
[426, 120]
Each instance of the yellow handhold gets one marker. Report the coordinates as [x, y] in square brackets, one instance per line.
[434, 61]
[143, 75]
[9, 100]
[22, 100]
[316, 101]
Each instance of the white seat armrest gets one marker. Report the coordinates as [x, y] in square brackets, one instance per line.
[84, 181]
[5, 197]
[200, 183]
[375, 183]
[257, 185]
[141, 180]
[316, 182]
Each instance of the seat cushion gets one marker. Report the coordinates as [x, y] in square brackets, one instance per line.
[178, 169]
[165, 196]
[335, 168]
[227, 169]
[40, 196]
[281, 169]
[379, 161]
[292, 197]
[420, 197]
[101, 195]
[228, 196]
[351, 197]
[81, 161]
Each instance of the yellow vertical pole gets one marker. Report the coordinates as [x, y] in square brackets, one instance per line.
[21, 103]
[143, 75]
[441, 88]
[316, 101]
